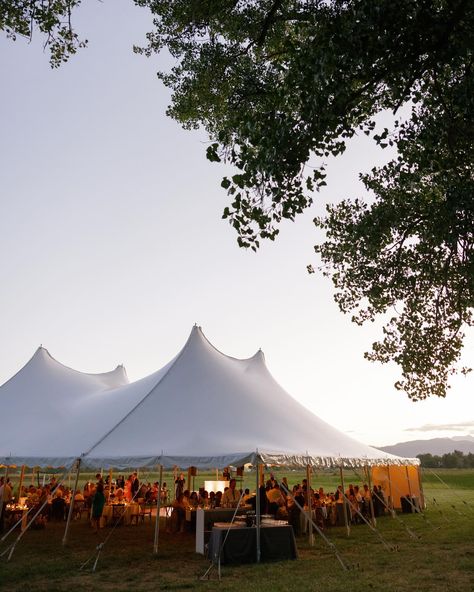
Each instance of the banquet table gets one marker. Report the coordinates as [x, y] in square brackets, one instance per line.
[130, 512]
[15, 512]
[277, 543]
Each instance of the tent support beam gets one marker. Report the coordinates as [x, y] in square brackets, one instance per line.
[158, 508]
[110, 483]
[390, 492]
[257, 512]
[71, 503]
[5, 478]
[371, 501]
[409, 489]
[20, 485]
[422, 493]
[309, 500]
[344, 505]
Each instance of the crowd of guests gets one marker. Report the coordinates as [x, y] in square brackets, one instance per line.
[276, 498]
[53, 499]
[284, 502]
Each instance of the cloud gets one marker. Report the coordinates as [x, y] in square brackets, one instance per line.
[448, 427]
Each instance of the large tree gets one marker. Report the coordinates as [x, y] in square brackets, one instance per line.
[280, 84]
[283, 84]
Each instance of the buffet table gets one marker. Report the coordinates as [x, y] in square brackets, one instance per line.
[205, 519]
[277, 543]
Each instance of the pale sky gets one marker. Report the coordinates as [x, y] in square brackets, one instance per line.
[112, 244]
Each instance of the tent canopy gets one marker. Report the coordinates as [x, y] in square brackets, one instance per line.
[203, 409]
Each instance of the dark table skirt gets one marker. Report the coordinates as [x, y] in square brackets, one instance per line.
[277, 543]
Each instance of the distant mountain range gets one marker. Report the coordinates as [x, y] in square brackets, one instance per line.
[438, 446]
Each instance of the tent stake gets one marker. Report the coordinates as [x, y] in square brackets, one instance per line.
[344, 504]
[158, 508]
[71, 503]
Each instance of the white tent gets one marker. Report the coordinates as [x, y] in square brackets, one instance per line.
[211, 410]
[202, 409]
[38, 403]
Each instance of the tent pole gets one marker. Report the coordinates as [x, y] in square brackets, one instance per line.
[390, 491]
[309, 500]
[257, 513]
[420, 485]
[409, 489]
[71, 503]
[158, 508]
[371, 501]
[3, 490]
[20, 485]
[110, 483]
[344, 504]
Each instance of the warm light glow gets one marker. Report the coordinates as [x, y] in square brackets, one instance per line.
[215, 486]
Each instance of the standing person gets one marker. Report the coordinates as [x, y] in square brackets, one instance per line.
[128, 488]
[135, 485]
[98, 503]
[6, 494]
[180, 481]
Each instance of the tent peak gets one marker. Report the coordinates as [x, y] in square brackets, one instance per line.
[258, 356]
[198, 332]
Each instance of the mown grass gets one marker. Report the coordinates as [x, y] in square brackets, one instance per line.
[441, 560]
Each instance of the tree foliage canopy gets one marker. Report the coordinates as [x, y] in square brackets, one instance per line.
[280, 85]
[52, 18]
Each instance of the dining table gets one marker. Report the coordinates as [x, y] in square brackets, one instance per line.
[127, 512]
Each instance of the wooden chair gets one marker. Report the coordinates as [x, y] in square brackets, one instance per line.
[118, 514]
[145, 510]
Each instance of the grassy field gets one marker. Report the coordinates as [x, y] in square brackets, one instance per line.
[441, 560]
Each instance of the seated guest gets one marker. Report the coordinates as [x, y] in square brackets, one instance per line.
[231, 496]
[212, 499]
[218, 499]
[193, 500]
[186, 496]
[275, 499]
[178, 515]
[247, 496]
[204, 498]
[119, 496]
